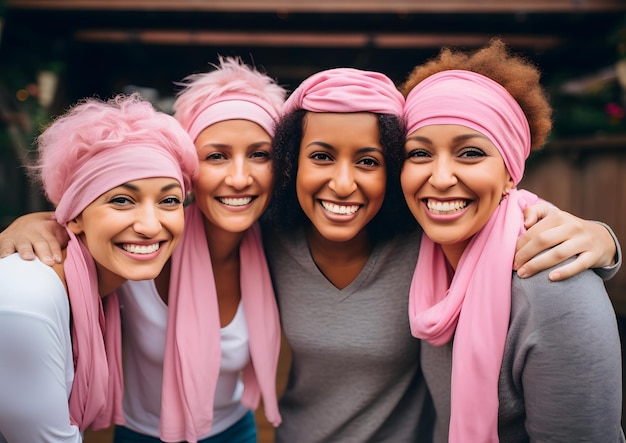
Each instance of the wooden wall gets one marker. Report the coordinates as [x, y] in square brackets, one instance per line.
[586, 177]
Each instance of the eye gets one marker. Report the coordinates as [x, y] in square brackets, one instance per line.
[471, 153]
[320, 156]
[261, 155]
[215, 156]
[172, 201]
[368, 161]
[418, 154]
[121, 200]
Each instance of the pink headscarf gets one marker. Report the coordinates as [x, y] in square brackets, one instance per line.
[346, 90]
[193, 341]
[96, 147]
[474, 308]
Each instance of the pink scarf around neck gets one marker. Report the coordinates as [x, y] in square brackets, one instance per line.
[473, 310]
[96, 396]
[192, 348]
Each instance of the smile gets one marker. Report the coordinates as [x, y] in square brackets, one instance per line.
[239, 201]
[448, 207]
[340, 209]
[141, 249]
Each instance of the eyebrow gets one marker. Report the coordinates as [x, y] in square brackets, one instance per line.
[228, 146]
[457, 139]
[167, 187]
[364, 149]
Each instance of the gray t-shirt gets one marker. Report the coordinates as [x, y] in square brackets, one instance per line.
[560, 379]
[355, 374]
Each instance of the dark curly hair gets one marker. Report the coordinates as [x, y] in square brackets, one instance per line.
[516, 74]
[285, 213]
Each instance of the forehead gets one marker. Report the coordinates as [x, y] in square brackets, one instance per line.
[336, 129]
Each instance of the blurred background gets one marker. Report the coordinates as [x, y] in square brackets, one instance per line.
[53, 52]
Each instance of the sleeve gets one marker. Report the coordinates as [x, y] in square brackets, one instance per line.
[608, 272]
[571, 374]
[36, 368]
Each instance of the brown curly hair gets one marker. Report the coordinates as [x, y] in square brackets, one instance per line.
[515, 73]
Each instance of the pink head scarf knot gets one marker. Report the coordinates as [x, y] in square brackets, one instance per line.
[346, 90]
[469, 99]
[473, 302]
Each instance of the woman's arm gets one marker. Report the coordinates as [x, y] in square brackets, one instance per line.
[562, 235]
[559, 233]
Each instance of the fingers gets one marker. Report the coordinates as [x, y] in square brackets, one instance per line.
[34, 234]
[8, 247]
[536, 212]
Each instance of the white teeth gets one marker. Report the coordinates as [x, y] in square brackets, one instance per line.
[446, 207]
[141, 249]
[241, 201]
[340, 209]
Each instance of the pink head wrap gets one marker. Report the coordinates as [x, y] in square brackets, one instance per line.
[443, 98]
[475, 307]
[232, 91]
[93, 148]
[346, 90]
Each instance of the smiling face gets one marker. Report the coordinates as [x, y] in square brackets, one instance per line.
[235, 182]
[453, 180]
[131, 230]
[341, 173]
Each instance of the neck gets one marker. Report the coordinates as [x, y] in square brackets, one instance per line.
[453, 252]
[223, 245]
[340, 262]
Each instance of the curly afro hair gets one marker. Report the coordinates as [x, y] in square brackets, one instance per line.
[515, 73]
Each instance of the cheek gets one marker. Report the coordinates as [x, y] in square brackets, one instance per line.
[265, 177]
[375, 188]
[174, 221]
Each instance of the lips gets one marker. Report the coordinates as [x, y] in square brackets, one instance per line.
[339, 209]
[141, 249]
[446, 207]
[235, 201]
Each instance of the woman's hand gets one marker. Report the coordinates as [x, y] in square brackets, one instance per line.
[34, 234]
[561, 235]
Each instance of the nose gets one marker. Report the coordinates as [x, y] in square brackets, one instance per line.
[238, 175]
[442, 174]
[343, 182]
[147, 222]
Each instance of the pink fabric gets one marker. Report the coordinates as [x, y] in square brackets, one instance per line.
[193, 344]
[112, 167]
[96, 396]
[235, 106]
[466, 98]
[473, 305]
[346, 90]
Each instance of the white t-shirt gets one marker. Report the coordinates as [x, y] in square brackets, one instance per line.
[36, 364]
[144, 321]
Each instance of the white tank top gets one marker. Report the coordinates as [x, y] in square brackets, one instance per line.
[144, 320]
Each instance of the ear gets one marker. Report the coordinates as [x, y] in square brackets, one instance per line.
[76, 225]
[508, 186]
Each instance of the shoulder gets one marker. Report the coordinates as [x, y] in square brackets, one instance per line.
[30, 287]
[581, 296]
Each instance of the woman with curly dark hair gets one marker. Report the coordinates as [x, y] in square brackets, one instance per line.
[504, 358]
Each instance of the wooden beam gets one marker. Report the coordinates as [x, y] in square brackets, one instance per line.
[304, 39]
[331, 6]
